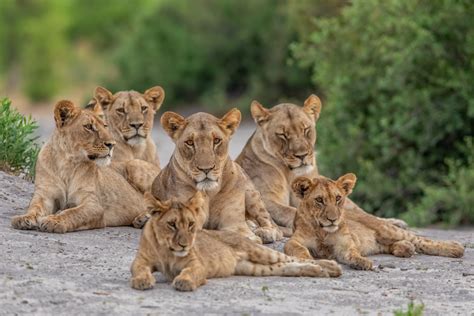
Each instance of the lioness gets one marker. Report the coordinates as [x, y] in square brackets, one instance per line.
[74, 187]
[323, 229]
[201, 162]
[282, 148]
[174, 244]
[130, 116]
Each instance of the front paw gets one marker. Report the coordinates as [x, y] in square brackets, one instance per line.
[141, 220]
[52, 224]
[331, 267]
[25, 222]
[269, 234]
[361, 264]
[397, 222]
[143, 282]
[184, 283]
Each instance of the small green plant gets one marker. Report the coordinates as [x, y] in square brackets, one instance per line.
[265, 291]
[18, 150]
[413, 310]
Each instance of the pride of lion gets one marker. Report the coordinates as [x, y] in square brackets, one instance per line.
[203, 214]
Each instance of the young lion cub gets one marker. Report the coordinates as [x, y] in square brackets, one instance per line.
[322, 230]
[173, 243]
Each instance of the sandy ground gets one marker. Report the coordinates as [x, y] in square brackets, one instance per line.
[88, 272]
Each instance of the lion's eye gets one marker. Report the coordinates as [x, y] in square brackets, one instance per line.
[121, 111]
[88, 127]
[189, 142]
[172, 225]
[319, 200]
[338, 198]
[191, 225]
[144, 109]
[217, 141]
[282, 135]
[307, 131]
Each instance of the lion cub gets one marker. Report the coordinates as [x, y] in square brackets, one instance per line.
[174, 244]
[322, 230]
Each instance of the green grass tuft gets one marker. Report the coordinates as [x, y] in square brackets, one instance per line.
[413, 310]
[18, 149]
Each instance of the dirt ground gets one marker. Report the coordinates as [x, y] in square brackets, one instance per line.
[87, 272]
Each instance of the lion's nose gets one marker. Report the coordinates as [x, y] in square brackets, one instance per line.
[301, 157]
[136, 125]
[181, 244]
[206, 170]
[110, 144]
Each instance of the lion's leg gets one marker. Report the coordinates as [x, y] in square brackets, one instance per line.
[283, 215]
[296, 249]
[191, 277]
[141, 174]
[242, 229]
[142, 277]
[88, 215]
[402, 248]
[254, 207]
[39, 206]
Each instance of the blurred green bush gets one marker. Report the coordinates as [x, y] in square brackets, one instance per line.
[398, 79]
[18, 150]
[214, 53]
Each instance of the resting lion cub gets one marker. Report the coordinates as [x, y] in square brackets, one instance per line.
[174, 244]
[75, 189]
[322, 230]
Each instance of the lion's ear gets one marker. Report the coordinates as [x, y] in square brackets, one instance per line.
[347, 182]
[173, 124]
[104, 96]
[155, 96]
[154, 206]
[65, 112]
[259, 113]
[302, 186]
[196, 202]
[230, 121]
[312, 106]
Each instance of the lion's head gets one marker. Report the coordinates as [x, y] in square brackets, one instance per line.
[82, 134]
[324, 198]
[175, 223]
[202, 142]
[130, 114]
[289, 133]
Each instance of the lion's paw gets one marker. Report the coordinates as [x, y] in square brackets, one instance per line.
[184, 283]
[362, 264]
[269, 234]
[25, 222]
[141, 220]
[52, 224]
[143, 282]
[332, 267]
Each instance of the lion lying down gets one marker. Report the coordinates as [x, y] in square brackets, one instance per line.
[75, 189]
[323, 230]
[174, 244]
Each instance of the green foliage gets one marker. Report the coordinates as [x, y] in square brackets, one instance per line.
[18, 150]
[413, 310]
[397, 77]
[213, 52]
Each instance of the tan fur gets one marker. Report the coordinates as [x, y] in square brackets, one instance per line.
[130, 116]
[323, 229]
[201, 162]
[174, 244]
[282, 148]
[75, 189]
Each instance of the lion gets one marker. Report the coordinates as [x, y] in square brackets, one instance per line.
[174, 243]
[75, 189]
[322, 228]
[201, 162]
[130, 117]
[282, 148]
